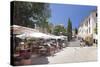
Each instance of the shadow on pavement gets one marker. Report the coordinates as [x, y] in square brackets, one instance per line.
[40, 60]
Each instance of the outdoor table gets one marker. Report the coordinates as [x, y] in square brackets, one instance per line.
[17, 59]
[24, 53]
[16, 55]
[43, 51]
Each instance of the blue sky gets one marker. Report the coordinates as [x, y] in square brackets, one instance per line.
[61, 12]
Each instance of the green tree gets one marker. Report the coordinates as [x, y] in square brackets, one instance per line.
[29, 13]
[59, 30]
[69, 30]
[45, 27]
[50, 28]
[76, 31]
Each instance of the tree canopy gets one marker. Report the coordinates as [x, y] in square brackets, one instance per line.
[28, 13]
[76, 31]
[59, 30]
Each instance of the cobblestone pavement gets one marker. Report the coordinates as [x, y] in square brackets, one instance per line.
[69, 55]
[74, 54]
[74, 43]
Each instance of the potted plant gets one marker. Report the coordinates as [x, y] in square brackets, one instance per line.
[89, 40]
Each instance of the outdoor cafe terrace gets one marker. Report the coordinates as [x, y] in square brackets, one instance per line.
[32, 42]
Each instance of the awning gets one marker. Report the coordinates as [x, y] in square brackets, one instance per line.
[34, 35]
[16, 29]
